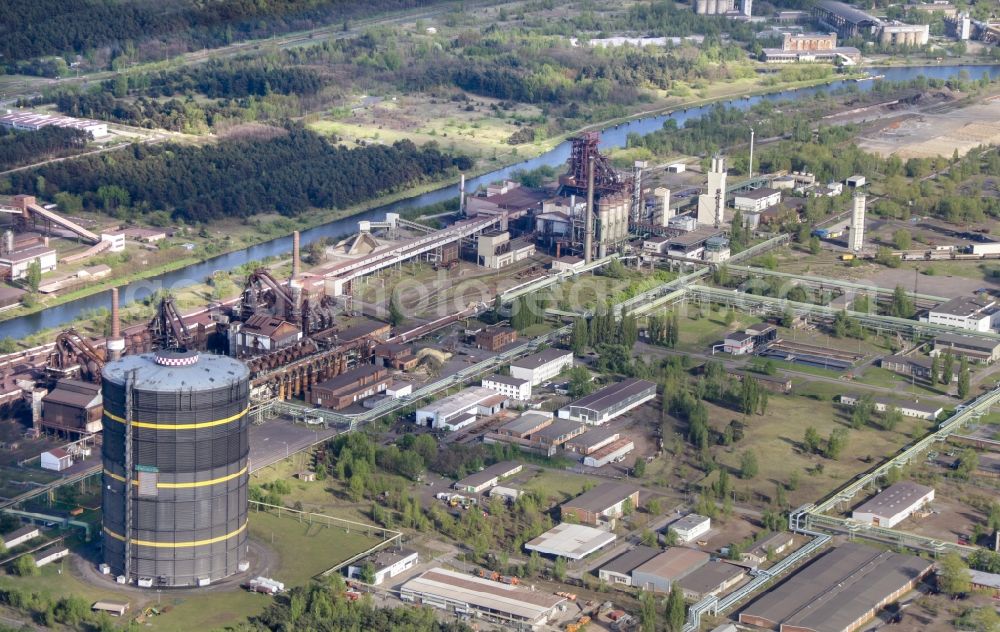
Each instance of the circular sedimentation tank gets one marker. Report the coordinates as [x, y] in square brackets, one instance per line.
[187, 506]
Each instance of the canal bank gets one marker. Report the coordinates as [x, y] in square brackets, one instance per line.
[612, 136]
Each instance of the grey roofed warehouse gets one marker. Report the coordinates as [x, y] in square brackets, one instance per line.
[838, 592]
[610, 401]
[479, 481]
[619, 570]
[602, 497]
[537, 359]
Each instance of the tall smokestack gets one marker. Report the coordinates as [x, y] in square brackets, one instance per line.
[461, 196]
[296, 266]
[116, 344]
[588, 242]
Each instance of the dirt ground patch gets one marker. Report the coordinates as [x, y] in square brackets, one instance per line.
[938, 134]
[938, 285]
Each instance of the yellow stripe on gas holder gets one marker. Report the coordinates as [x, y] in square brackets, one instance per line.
[176, 545]
[214, 481]
[203, 424]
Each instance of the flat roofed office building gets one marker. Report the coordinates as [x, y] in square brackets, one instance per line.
[541, 366]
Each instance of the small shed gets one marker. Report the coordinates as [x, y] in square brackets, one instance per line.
[56, 459]
[114, 608]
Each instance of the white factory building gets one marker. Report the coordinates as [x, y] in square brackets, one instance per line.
[609, 402]
[691, 527]
[464, 594]
[894, 504]
[516, 388]
[455, 411]
[610, 453]
[15, 265]
[967, 312]
[31, 122]
[385, 565]
[572, 541]
[756, 200]
[542, 366]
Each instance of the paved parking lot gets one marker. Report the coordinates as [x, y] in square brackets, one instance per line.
[278, 438]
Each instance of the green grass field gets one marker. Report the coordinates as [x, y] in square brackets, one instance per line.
[699, 334]
[303, 551]
[306, 549]
[776, 439]
[900, 385]
[556, 486]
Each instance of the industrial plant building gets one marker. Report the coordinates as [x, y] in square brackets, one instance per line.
[515, 388]
[455, 411]
[593, 439]
[73, 406]
[351, 387]
[894, 504]
[20, 536]
[51, 554]
[976, 349]
[712, 579]
[927, 411]
[967, 312]
[756, 200]
[175, 505]
[487, 478]
[915, 365]
[572, 541]
[29, 121]
[691, 527]
[602, 505]
[660, 573]
[495, 338]
[611, 453]
[495, 249]
[750, 339]
[262, 334]
[384, 565]
[774, 544]
[850, 22]
[14, 264]
[478, 597]
[839, 592]
[609, 402]
[811, 47]
[618, 572]
[542, 366]
[732, 8]
[536, 431]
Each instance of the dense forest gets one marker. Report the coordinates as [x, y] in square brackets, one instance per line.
[173, 114]
[224, 79]
[239, 88]
[516, 61]
[23, 148]
[283, 170]
[33, 28]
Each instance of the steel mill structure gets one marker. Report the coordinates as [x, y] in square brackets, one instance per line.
[175, 458]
